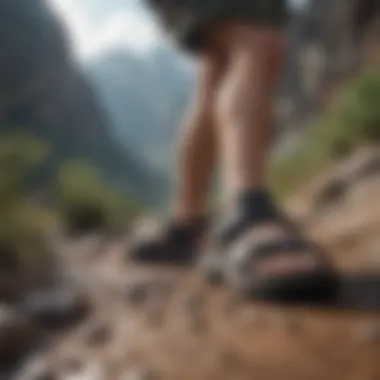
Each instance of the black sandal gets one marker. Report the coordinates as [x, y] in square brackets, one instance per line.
[236, 261]
[273, 262]
[173, 244]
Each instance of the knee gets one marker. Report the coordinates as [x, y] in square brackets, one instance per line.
[226, 107]
[252, 78]
[231, 98]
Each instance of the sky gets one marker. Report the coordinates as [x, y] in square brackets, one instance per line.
[96, 25]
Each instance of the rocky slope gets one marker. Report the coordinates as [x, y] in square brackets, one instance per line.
[332, 41]
[144, 323]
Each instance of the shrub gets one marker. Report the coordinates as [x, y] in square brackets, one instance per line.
[24, 238]
[24, 226]
[351, 120]
[87, 203]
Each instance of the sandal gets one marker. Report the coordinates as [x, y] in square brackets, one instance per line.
[272, 261]
[173, 244]
[269, 259]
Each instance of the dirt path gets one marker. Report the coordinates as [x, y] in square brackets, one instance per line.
[168, 324]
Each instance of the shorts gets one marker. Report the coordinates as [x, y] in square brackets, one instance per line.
[193, 16]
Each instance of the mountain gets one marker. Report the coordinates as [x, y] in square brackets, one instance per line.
[146, 97]
[44, 92]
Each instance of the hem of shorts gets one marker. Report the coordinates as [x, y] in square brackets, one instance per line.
[190, 38]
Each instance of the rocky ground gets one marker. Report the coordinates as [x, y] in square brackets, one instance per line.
[131, 323]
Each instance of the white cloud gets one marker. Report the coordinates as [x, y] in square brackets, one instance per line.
[129, 27]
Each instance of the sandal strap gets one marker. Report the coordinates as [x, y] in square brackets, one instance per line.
[277, 247]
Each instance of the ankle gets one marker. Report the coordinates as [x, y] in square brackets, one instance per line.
[256, 201]
[187, 215]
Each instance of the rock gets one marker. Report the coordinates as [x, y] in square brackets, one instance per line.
[98, 334]
[89, 372]
[330, 193]
[137, 294]
[141, 293]
[331, 188]
[57, 308]
[365, 164]
[18, 334]
[37, 369]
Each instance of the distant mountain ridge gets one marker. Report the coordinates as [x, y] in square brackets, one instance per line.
[42, 90]
[146, 98]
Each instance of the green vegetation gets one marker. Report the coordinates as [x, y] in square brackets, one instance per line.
[351, 120]
[86, 202]
[23, 225]
[78, 198]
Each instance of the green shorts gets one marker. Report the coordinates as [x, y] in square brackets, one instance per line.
[193, 16]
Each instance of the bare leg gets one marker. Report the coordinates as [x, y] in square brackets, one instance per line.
[245, 103]
[198, 148]
[262, 245]
[179, 241]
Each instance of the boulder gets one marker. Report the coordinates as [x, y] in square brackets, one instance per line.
[57, 308]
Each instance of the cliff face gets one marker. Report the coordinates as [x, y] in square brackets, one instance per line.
[43, 91]
[331, 41]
